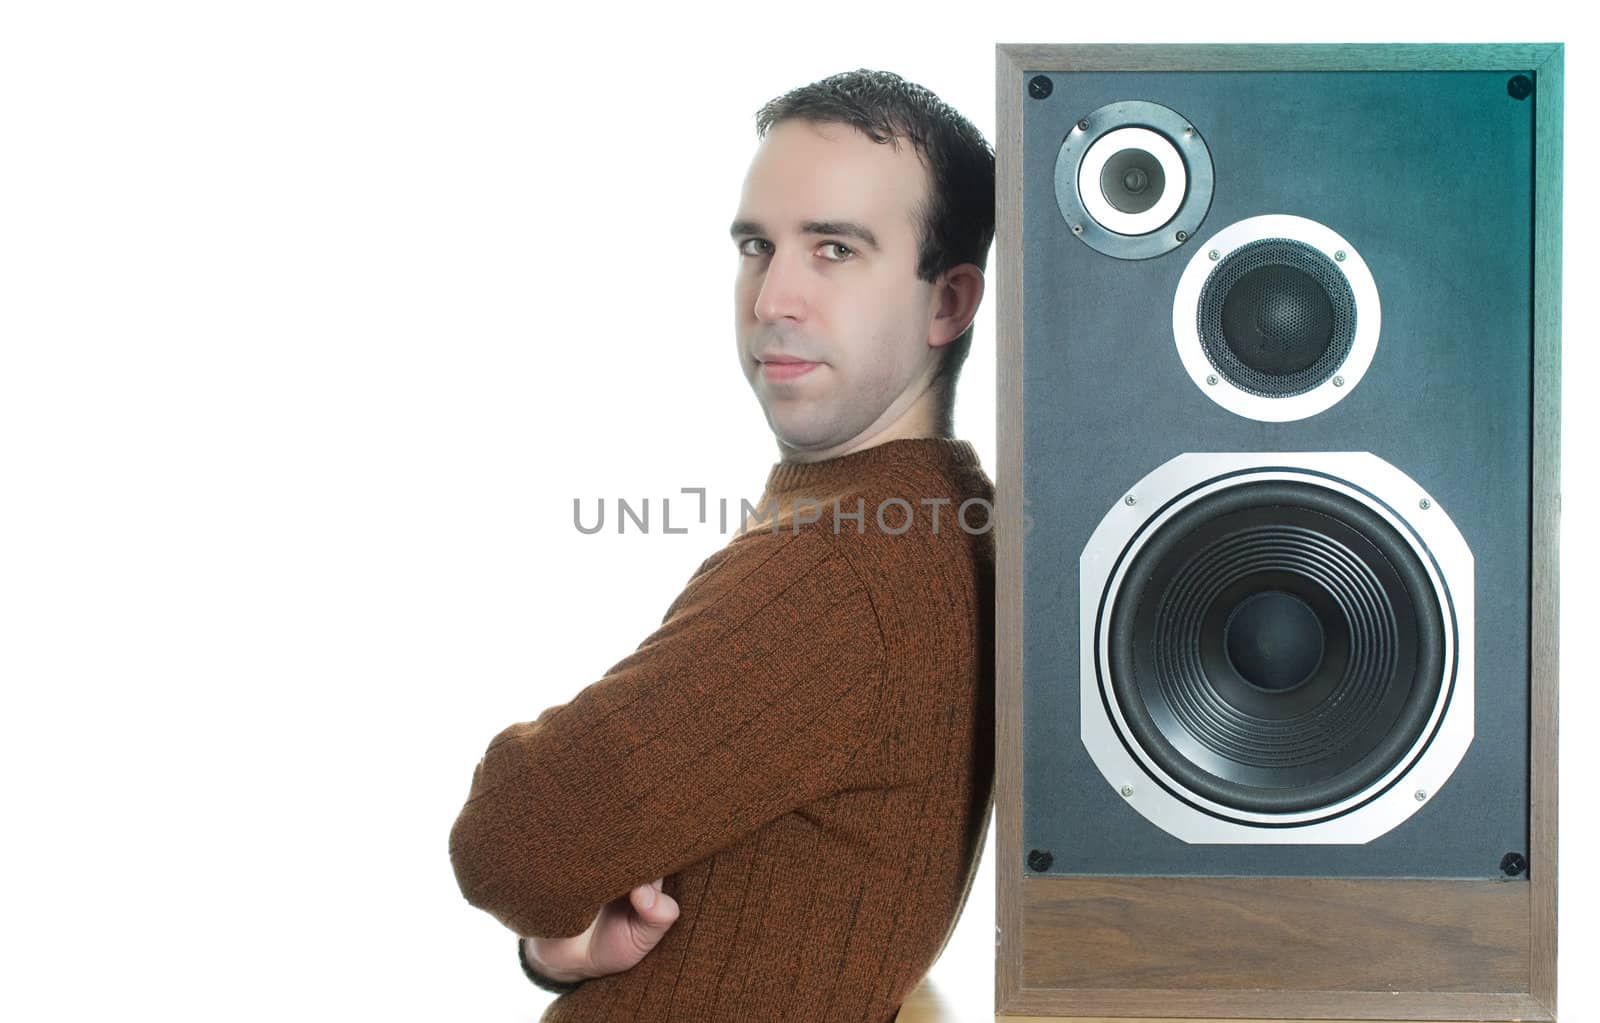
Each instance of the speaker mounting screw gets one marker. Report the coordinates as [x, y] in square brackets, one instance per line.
[1083, 125]
[1338, 381]
[1130, 500]
[1127, 791]
[1188, 130]
[1039, 860]
[1214, 255]
[1519, 87]
[1424, 504]
[1422, 795]
[1512, 864]
[1040, 86]
[1211, 379]
[1182, 236]
[1340, 256]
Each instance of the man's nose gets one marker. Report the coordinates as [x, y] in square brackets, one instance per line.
[783, 289]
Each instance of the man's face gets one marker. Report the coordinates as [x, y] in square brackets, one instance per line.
[832, 322]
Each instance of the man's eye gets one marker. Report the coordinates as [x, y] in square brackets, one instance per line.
[755, 247]
[836, 252]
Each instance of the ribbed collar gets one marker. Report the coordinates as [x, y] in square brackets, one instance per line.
[830, 474]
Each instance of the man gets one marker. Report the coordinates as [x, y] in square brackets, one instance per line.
[773, 808]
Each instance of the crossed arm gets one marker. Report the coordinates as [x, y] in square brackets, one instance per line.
[751, 700]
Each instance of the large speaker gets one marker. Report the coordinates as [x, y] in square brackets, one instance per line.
[1277, 492]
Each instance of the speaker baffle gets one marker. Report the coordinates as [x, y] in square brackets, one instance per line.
[1133, 179]
[1276, 318]
[1273, 653]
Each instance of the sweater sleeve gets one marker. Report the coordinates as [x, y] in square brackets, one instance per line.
[750, 700]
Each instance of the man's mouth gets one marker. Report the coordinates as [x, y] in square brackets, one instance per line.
[779, 367]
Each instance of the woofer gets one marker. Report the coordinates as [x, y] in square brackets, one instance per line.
[1276, 646]
[1272, 647]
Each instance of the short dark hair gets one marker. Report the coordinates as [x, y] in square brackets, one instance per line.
[957, 218]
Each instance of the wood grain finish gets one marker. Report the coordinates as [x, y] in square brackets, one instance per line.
[1243, 933]
[1546, 567]
[1008, 529]
[1248, 57]
[1185, 1019]
[1161, 950]
[1094, 1006]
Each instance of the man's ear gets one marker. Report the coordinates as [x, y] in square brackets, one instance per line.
[956, 294]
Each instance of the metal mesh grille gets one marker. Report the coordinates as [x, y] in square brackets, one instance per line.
[1276, 317]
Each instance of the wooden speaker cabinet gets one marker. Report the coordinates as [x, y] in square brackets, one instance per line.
[1279, 340]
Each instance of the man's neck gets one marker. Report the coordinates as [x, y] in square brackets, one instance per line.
[789, 455]
[922, 421]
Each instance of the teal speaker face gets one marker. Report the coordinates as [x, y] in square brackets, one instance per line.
[1277, 455]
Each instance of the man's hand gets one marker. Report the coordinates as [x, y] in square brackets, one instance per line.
[621, 935]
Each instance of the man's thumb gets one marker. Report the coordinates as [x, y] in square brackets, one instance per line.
[656, 910]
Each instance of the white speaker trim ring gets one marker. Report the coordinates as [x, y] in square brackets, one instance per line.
[1147, 141]
[1379, 807]
[1199, 181]
[1212, 382]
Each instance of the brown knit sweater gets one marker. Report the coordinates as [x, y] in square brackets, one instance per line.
[803, 749]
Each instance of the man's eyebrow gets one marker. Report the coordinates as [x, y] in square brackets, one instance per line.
[840, 228]
[843, 228]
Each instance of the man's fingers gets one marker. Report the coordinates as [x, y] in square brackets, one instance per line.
[649, 925]
[653, 906]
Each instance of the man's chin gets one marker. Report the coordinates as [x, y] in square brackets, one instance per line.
[802, 441]
[806, 446]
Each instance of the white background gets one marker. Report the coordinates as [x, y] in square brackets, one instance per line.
[315, 319]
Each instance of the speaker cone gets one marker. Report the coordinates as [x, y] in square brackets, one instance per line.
[1277, 648]
[1275, 653]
